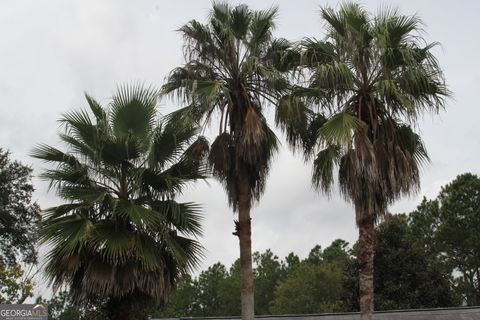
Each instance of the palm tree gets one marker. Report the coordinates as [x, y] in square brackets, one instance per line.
[120, 236]
[232, 70]
[372, 78]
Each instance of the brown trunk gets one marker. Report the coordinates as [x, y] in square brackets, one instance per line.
[366, 254]
[244, 236]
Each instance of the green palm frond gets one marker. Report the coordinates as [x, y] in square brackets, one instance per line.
[169, 143]
[240, 18]
[79, 125]
[133, 111]
[292, 117]
[261, 27]
[187, 252]
[334, 20]
[116, 245]
[141, 217]
[314, 52]
[323, 167]
[66, 175]
[393, 28]
[69, 233]
[185, 217]
[208, 91]
[54, 212]
[335, 76]
[50, 154]
[91, 194]
[283, 55]
[79, 147]
[97, 110]
[340, 129]
[412, 142]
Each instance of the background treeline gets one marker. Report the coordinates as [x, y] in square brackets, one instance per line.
[18, 218]
[425, 259]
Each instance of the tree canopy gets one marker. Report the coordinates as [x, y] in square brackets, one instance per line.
[18, 214]
[449, 227]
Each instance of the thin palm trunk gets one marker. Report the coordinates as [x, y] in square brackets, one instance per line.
[366, 255]
[245, 238]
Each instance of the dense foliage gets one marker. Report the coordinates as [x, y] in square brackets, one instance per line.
[18, 233]
[18, 214]
[449, 228]
[16, 285]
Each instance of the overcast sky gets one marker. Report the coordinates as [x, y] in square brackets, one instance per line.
[53, 51]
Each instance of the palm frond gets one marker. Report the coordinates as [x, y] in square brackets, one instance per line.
[50, 154]
[97, 110]
[240, 18]
[185, 217]
[133, 111]
[340, 129]
[79, 125]
[323, 167]
[141, 217]
[412, 142]
[292, 116]
[262, 24]
[169, 142]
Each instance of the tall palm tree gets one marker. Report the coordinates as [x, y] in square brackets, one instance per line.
[120, 236]
[372, 77]
[232, 69]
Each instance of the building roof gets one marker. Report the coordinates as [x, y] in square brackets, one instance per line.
[462, 313]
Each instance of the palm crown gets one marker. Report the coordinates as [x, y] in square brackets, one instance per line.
[233, 67]
[120, 230]
[373, 77]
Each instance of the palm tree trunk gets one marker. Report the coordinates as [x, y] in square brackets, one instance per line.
[244, 235]
[366, 255]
